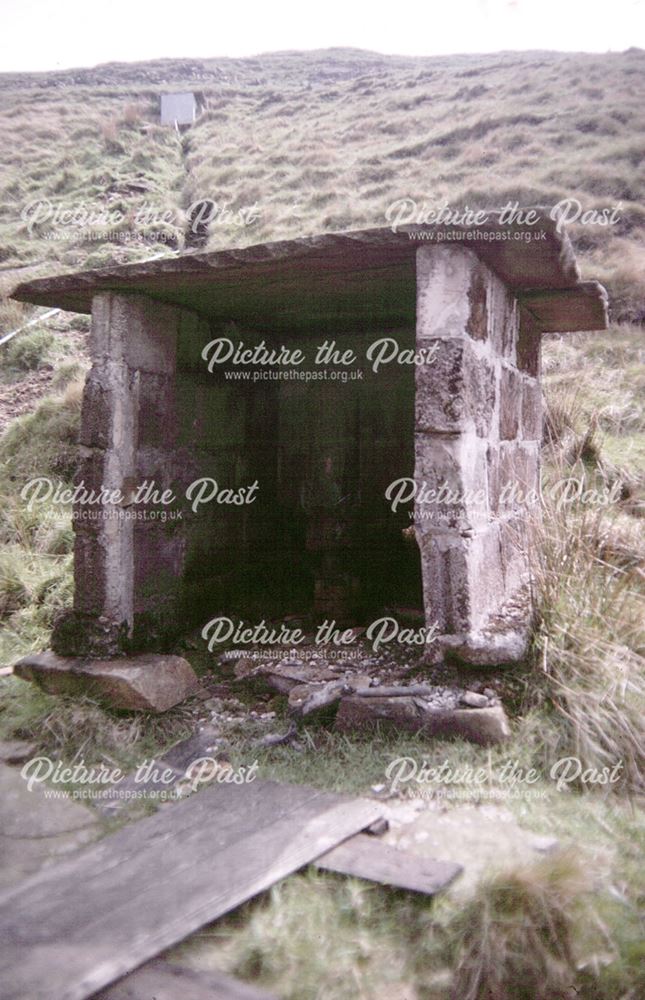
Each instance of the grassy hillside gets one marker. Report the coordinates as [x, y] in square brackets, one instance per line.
[325, 141]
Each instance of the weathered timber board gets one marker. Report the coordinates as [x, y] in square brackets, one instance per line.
[70, 930]
[160, 980]
[366, 857]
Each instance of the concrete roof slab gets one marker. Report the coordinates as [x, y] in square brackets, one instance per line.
[365, 279]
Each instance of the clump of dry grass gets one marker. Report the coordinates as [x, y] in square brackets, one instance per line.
[13, 591]
[315, 935]
[74, 728]
[73, 394]
[133, 115]
[588, 558]
[43, 442]
[515, 937]
[12, 315]
[77, 726]
[620, 264]
[30, 350]
[589, 642]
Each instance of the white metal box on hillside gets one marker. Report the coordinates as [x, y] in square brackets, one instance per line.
[178, 108]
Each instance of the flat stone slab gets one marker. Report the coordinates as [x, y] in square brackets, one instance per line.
[479, 725]
[36, 829]
[364, 856]
[150, 683]
[379, 265]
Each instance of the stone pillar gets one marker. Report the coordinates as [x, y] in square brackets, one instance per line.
[133, 346]
[477, 439]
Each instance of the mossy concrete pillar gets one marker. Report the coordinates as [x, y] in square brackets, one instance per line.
[133, 347]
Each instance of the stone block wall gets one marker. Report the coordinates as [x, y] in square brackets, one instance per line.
[124, 568]
[478, 430]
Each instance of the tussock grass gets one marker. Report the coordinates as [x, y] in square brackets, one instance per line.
[596, 382]
[590, 641]
[12, 314]
[589, 555]
[29, 350]
[13, 592]
[619, 263]
[515, 937]
[316, 935]
[43, 443]
[79, 728]
[34, 587]
[36, 561]
[68, 372]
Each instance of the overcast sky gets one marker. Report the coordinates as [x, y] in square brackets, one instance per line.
[59, 34]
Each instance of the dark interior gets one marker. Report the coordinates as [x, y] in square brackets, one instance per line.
[320, 538]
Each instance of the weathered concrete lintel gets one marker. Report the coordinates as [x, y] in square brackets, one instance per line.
[570, 310]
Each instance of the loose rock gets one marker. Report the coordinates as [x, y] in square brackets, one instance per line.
[474, 700]
[152, 683]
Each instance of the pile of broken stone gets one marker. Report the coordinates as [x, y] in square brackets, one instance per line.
[365, 690]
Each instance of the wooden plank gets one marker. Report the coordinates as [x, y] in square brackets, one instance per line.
[161, 980]
[71, 930]
[366, 857]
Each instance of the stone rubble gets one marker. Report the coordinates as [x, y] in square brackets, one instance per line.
[337, 690]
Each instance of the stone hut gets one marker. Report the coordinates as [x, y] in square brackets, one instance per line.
[446, 406]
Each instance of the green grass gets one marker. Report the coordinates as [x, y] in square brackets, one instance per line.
[43, 443]
[30, 350]
[35, 561]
